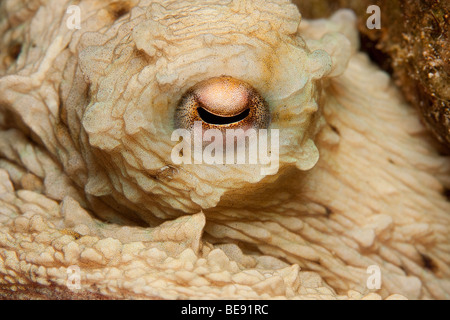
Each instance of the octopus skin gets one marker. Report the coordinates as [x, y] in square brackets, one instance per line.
[87, 180]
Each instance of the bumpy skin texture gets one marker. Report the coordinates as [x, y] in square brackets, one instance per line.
[86, 117]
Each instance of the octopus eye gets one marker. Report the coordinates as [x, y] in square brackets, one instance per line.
[222, 103]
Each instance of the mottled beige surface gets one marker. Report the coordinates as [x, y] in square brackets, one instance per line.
[85, 123]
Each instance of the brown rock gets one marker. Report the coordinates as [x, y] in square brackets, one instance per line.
[413, 43]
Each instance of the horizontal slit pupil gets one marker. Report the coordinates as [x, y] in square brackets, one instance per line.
[220, 120]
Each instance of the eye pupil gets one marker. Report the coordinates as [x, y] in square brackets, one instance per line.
[210, 118]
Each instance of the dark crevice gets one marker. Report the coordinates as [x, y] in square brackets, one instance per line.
[336, 130]
[429, 263]
[219, 120]
[447, 193]
[119, 9]
[120, 13]
[382, 59]
[14, 50]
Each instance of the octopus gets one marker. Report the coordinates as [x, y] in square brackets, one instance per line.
[92, 204]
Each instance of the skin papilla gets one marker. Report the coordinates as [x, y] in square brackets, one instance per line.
[87, 180]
